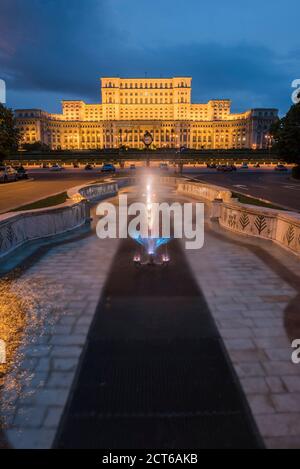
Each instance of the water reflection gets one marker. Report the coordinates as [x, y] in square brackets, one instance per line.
[12, 319]
[26, 314]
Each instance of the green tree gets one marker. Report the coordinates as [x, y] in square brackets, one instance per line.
[286, 134]
[9, 134]
[36, 146]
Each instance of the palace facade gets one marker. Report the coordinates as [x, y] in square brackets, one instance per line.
[133, 107]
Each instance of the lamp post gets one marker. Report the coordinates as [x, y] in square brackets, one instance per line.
[120, 137]
[172, 138]
[120, 143]
[269, 139]
[148, 140]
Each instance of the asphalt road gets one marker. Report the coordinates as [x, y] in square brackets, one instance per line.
[45, 183]
[277, 187]
[264, 183]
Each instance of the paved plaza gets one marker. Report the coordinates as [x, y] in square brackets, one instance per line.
[65, 285]
[250, 290]
[253, 294]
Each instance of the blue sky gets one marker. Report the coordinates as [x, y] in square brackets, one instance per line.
[58, 49]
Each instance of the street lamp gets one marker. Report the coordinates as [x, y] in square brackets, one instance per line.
[269, 139]
[172, 138]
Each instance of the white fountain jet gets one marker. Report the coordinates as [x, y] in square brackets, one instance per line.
[151, 243]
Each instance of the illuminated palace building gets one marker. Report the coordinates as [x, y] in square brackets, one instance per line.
[132, 107]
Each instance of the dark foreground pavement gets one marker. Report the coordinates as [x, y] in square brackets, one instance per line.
[154, 373]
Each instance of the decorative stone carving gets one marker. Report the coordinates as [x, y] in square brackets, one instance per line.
[278, 225]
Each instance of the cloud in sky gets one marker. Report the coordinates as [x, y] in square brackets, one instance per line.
[53, 49]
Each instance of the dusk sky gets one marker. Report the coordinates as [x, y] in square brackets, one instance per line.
[58, 49]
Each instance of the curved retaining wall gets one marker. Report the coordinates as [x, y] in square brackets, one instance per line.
[203, 191]
[279, 226]
[199, 189]
[93, 192]
[276, 225]
[21, 227]
[17, 228]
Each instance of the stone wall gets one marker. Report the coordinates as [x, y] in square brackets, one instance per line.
[168, 180]
[288, 231]
[202, 191]
[94, 192]
[279, 226]
[17, 228]
[21, 227]
[276, 225]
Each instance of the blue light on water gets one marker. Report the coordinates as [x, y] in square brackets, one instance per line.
[151, 244]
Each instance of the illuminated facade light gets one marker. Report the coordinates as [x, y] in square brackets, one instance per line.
[160, 108]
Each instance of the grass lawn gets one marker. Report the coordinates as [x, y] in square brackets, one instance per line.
[245, 199]
[44, 203]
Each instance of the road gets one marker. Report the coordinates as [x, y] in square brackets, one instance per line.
[45, 183]
[263, 183]
[276, 187]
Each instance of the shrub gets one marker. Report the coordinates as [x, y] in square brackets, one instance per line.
[296, 172]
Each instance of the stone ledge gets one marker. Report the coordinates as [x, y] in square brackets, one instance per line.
[279, 226]
[17, 228]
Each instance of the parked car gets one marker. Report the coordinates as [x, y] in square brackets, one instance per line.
[182, 150]
[108, 168]
[88, 167]
[211, 165]
[56, 167]
[75, 165]
[226, 168]
[8, 173]
[21, 172]
[280, 167]
[244, 166]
